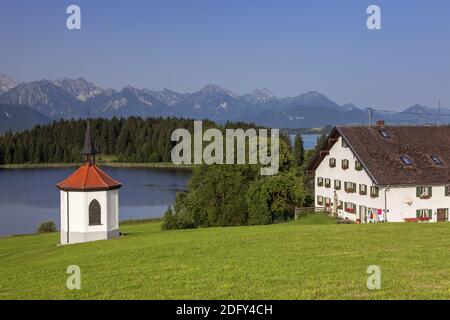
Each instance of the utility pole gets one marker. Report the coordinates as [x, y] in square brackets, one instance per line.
[439, 112]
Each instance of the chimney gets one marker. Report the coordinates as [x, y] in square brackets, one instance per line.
[380, 123]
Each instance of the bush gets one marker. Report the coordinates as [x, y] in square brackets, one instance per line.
[216, 198]
[170, 221]
[46, 226]
[237, 195]
[273, 198]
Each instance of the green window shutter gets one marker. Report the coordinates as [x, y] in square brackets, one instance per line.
[417, 214]
[430, 191]
[418, 192]
[430, 213]
[446, 191]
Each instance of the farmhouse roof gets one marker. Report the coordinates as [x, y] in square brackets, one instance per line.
[88, 177]
[396, 155]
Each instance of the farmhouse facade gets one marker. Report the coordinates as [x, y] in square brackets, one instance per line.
[384, 173]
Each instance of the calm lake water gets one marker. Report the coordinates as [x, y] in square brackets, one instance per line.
[29, 196]
[309, 140]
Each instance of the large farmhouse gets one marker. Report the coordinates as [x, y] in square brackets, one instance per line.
[385, 173]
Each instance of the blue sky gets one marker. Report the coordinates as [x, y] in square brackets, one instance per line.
[289, 47]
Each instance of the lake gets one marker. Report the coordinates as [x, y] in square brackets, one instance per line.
[29, 196]
[309, 140]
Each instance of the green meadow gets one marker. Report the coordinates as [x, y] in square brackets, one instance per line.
[311, 258]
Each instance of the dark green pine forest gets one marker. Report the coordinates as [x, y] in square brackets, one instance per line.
[130, 140]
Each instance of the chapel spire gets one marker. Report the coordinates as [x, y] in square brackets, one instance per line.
[88, 149]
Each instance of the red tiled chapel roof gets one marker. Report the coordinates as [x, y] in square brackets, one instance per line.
[88, 177]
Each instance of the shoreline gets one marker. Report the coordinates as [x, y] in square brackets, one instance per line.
[155, 165]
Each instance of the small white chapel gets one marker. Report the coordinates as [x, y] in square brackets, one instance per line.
[89, 201]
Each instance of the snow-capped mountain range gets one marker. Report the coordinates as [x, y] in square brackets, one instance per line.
[66, 98]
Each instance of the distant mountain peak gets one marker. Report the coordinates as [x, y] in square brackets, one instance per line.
[6, 83]
[419, 109]
[168, 97]
[130, 88]
[263, 93]
[79, 88]
[314, 93]
[258, 96]
[314, 99]
[213, 89]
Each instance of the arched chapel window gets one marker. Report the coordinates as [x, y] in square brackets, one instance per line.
[95, 213]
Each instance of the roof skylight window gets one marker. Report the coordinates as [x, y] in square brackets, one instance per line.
[406, 161]
[384, 134]
[436, 160]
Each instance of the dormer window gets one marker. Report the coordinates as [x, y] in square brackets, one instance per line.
[436, 160]
[406, 161]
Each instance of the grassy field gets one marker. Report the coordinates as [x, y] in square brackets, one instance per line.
[311, 258]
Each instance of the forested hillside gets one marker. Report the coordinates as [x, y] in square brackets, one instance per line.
[131, 140]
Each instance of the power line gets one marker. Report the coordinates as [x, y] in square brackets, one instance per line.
[412, 113]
